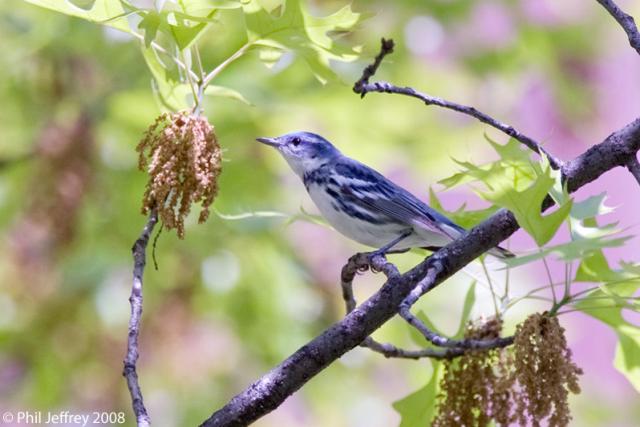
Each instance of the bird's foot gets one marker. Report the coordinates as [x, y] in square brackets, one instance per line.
[376, 260]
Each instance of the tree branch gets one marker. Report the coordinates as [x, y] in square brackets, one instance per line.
[634, 168]
[626, 22]
[360, 263]
[268, 392]
[139, 259]
[386, 48]
[363, 87]
[423, 287]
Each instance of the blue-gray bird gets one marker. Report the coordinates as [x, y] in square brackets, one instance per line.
[361, 203]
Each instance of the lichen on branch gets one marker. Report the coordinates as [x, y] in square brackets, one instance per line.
[181, 154]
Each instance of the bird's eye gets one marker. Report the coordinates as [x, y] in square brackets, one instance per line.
[295, 141]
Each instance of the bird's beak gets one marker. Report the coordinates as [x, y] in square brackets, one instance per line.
[269, 141]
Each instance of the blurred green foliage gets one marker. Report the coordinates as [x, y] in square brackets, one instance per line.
[237, 296]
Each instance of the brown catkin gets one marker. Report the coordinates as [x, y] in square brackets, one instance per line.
[183, 158]
[544, 370]
[469, 382]
[523, 384]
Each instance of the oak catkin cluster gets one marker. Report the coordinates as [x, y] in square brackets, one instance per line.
[544, 370]
[524, 384]
[181, 154]
[473, 389]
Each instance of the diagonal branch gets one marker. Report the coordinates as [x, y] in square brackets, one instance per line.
[270, 391]
[363, 87]
[139, 258]
[626, 22]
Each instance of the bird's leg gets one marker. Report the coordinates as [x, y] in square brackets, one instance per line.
[398, 251]
[386, 248]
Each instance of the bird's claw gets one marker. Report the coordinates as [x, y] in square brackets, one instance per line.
[376, 260]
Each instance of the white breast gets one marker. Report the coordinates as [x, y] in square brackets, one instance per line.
[373, 235]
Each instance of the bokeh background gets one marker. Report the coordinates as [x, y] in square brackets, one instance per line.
[235, 297]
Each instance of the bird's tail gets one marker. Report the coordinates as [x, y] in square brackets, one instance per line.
[500, 252]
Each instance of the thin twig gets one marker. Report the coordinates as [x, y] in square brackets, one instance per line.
[360, 263]
[626, 22]
[436, 268]
[195, 91]
[153, 247]
[494, 297]
[386, 48]
[549, 278]
[634, 167]
[363, 87]
[388, 350]
[243, 49]
[139, 258]
[199, 62]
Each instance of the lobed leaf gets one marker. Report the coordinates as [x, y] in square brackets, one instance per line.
[462, 216]
[526, 204]
[418, 408]
[276, 26]
[606, 304]
[107, 12]
[172, 94]
[226, 92]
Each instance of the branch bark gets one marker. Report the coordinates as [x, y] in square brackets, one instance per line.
[626, 22]
[129, 372]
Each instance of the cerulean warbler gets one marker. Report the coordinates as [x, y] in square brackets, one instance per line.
[361, 203]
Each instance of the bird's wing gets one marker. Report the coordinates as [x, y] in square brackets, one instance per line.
[371, 190]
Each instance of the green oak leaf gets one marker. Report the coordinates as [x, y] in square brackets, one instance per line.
[606, 304]
[585, 244]
[172, 94]
[108, 12]
[418, 408]
[276, 26]
[150, 24]
[462, 216]
[225, 92]
[183, 21]
[514, 163]
[469, 301]
[526, 204]
[590, 207]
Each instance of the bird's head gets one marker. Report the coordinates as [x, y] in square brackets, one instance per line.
[304, 151]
